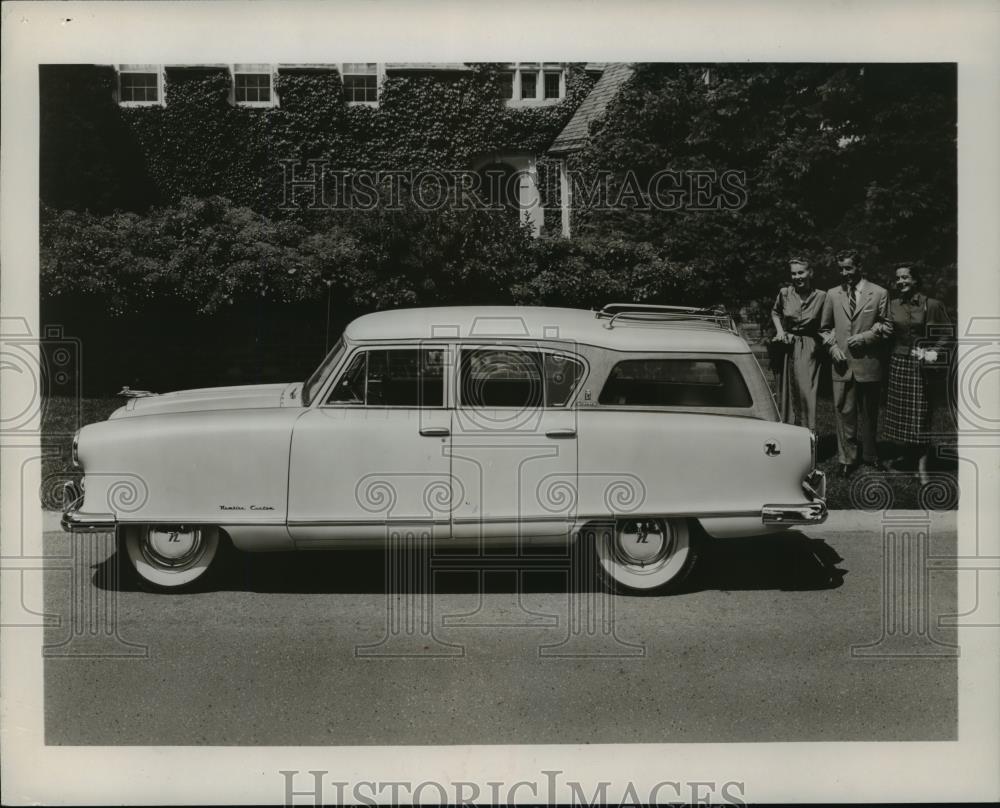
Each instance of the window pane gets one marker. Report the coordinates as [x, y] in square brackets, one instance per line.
[507, 85]
[350, 387]
[360, 67]
[361, 88]
[406, 378]
[139, 87]
[529, 84]
[551, 85]
[676, 383]
[501, 378]
[561, 376]
[253, 87]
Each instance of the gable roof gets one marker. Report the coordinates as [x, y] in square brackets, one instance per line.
[575, 134]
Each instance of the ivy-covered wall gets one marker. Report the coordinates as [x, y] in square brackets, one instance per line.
[101, 157]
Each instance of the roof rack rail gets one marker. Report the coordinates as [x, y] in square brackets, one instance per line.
[716, 317]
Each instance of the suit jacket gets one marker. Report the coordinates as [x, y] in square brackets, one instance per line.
[865, 360]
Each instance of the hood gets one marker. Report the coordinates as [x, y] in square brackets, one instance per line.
[250, 396]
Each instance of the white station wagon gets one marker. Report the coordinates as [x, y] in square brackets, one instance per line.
[636, 432]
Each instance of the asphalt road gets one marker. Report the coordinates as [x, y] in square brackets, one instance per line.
[780, 639]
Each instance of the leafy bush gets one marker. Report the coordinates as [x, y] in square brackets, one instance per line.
[209, 253]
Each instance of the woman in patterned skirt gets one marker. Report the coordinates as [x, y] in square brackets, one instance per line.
[917, 345]
[796, 315]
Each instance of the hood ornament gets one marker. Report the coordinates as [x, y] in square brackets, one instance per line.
[129, 393]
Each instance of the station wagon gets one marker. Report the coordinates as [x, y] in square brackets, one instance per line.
[634, 433]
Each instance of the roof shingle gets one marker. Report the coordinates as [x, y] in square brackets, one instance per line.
[574, 135]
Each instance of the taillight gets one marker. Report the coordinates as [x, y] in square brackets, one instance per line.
[812, 447]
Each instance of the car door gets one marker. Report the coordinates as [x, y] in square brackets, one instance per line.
[514, 444]
[372, 455]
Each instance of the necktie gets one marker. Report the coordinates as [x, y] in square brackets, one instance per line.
[852, 306]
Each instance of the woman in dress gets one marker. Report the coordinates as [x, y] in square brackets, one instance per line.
[919, 336]
[796, 317]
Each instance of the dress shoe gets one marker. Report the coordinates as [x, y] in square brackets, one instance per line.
[875, 465]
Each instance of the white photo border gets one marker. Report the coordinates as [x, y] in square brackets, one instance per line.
[37, 33]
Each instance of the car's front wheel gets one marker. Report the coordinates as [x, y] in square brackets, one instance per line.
[170, 558]
[643, 555]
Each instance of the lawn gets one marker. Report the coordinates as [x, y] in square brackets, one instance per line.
[865, 489]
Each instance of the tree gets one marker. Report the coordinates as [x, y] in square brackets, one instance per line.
[832, 155]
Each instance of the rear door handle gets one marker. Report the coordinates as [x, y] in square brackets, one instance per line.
[561, 433]
[435, 431]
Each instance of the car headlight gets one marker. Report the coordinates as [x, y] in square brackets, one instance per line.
[75, 452]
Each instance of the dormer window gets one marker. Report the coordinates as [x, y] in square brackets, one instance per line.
[528, 83]
[140, 85]
[360, 82]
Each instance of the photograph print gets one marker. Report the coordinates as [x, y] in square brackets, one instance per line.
[438, 404]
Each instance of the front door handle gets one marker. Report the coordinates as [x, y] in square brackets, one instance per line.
[435, 431]
[561, 433]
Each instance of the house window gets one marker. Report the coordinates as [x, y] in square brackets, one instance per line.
[360, 82]
[252, 88]
[507, 85]
[552, 80]
[527, 83]
[140, 85]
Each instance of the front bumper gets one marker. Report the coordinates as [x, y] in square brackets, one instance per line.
[806, 513]
[76, 521]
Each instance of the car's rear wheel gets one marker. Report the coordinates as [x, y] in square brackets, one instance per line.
[646, 555]
[171, 558]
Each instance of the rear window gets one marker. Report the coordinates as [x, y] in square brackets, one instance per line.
[676, 383]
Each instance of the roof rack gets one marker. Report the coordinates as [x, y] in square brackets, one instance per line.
[661, 315]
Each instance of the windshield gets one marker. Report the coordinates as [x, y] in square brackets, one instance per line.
[314, 382]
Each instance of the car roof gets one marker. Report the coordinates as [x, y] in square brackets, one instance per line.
[543, 323]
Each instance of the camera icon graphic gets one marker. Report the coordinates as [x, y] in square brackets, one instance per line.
[34, 370]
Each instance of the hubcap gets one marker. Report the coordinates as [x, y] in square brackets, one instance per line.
[642, 542]
[171, 547]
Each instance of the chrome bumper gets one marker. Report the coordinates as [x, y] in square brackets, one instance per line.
[807, 513]
[811, 513]
[75, 521]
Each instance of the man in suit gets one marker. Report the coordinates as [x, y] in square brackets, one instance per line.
[854, 324]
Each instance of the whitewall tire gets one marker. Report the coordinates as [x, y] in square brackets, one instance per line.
[170, 558]
[645, 555]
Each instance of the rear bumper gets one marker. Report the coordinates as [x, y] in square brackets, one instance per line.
[809, 513]
[76, 521]
[806, 513]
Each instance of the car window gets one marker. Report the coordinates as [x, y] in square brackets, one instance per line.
[405, 377]
[350, 387]
[511, 377]
[561, 376]
[501, 377]
[315, 382]
[676, 383]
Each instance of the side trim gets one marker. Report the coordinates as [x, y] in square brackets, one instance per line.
[364, 522]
